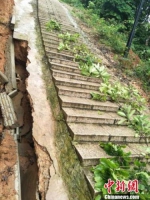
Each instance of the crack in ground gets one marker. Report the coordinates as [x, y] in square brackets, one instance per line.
[44, 163]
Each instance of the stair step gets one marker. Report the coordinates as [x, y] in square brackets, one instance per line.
[90, 116]
[74, 92]
[67, 68]
[88, 104]
[45, 20]
[96, 133]
[51, 35]
[76, 83]
[63, 62]
[64, 74]
[89, 176]
[52, 38]
[51, 43]
[48, 43]
[90, 153]
[63, 29]
[50, 48]
[59, 55]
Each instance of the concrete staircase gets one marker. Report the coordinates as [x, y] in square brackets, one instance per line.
[89, 121]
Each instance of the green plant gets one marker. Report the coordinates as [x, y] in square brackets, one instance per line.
[143, 72]
[117, 150]
[88, 63]
[131, 111]
[63, 46]
[114, 92]
[136, 100]
[141, 124]
[119, 168]
[108, 169]
[53, 25]
[119, 93]
[127, 112]
[99, 96]
[69, 37]
[67, 40]
[95, 70]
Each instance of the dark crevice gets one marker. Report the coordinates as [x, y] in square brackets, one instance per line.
[40, 197]
[27, 156]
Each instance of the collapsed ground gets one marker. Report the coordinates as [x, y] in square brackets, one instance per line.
[7, 145]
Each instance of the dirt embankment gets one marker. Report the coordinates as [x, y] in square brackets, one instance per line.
[6, 8]
[7, 162]
[7, 144]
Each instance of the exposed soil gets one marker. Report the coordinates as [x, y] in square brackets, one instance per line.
[7, 170]
[7, 144]
[28, 166]
[6, 8]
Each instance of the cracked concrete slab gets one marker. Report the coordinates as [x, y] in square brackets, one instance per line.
[43, 125]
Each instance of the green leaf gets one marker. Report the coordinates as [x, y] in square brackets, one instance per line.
[145, 174]
[141, 187]
[136, 135]
[98, 197]
[122, 114]
[122, 121]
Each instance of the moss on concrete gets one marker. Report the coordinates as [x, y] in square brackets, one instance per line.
[68, 161]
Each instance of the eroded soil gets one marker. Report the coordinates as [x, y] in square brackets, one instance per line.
[23, 108]
[7, 144]
[7, 166]
[6, 8]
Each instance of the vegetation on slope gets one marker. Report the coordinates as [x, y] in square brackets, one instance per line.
[113, 33]
[112, 21]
